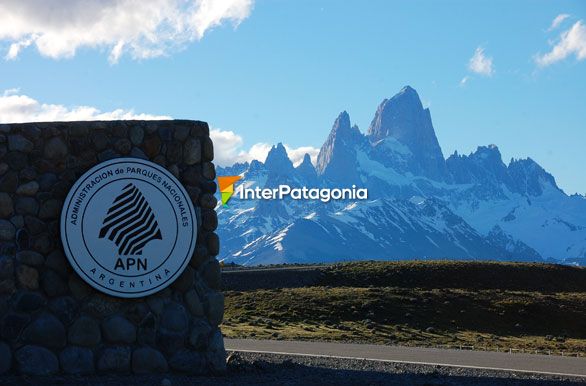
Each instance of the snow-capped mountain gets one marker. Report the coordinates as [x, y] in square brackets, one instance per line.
[420, 204]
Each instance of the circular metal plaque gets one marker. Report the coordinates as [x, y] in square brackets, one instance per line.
[128, 227]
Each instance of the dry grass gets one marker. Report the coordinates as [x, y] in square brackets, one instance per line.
[490, 318]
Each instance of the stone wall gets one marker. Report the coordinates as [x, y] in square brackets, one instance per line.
[51, 321]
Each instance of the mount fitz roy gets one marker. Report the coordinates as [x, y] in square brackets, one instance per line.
[420, 204]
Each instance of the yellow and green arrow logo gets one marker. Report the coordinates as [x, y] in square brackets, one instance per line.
[227, 187]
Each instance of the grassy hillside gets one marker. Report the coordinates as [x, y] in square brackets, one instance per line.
[427, 303]
[458, 274]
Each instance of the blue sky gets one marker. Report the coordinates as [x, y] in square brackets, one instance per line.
[285, 71]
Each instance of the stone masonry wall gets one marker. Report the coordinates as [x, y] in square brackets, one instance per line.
[51, 321]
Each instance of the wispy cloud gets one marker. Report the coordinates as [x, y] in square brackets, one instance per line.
[571, 42]
[16, 107]
[229, 149]
[480, 63]
[296, 154]
[140, 28]
[557, 21]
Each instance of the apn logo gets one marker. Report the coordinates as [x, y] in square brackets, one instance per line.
[227, 188]
[130, 222]
[128, 227]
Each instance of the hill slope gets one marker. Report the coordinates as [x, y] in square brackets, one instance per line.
[488, 305]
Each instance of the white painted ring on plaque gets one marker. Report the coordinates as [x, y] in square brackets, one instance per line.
[128, 227]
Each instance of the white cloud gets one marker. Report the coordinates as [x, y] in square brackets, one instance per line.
[557, 21]
[296, 154]
[570, 42]
[140, 28]
[480, 64]
[16, 107]
[229, 149]
[227, 146]
[464, 80]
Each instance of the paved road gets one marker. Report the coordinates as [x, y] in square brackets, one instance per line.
[544, 364]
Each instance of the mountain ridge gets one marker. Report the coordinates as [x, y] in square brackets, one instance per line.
[421, 205]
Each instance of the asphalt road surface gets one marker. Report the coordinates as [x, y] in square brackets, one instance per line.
[543, 364]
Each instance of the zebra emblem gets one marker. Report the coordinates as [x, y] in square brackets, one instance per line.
[130, 222]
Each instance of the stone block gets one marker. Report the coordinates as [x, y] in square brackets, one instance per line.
[146, 360]
[118, 329]
[35, 360]
[85, 331]
[77, 361]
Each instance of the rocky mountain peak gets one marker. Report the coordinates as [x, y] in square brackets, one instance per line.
[481, 207]
[255, 168]
[528, 177]
[343, 130]
[403, 118]
[336, 160]
[306, 170]
[342, 122]
[306, 161]
[489, 157]
[256, 165]
[390, 116]
[484, 166]
[278, 161]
